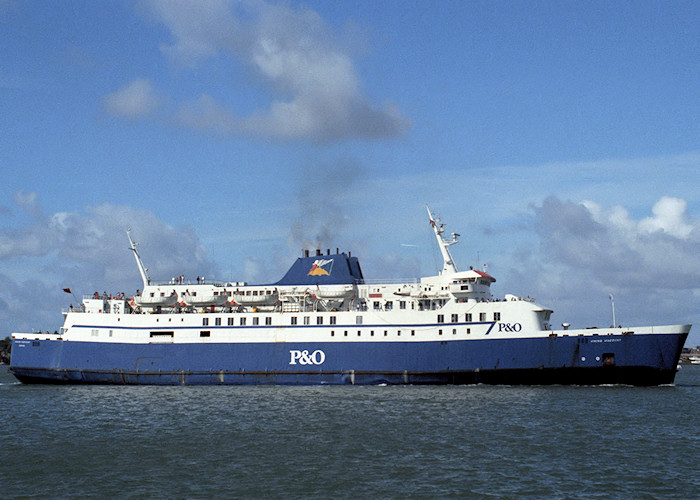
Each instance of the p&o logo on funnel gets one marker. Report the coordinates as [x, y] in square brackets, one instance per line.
[321, 267]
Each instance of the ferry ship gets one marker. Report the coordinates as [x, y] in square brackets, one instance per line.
[323, 323]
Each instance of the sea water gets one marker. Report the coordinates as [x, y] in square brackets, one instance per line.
[350, 442]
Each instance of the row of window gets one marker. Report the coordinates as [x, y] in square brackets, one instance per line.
[398, 332]
[454, 318]
[294, 320]
[207, 333]
[389, 305]
[230, 293]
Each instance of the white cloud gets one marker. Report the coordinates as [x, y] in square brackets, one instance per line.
[669, 216]
[199, 29]
[134, 100]
[661, 249]
[86, 252]
[588, 251]
[290, 49]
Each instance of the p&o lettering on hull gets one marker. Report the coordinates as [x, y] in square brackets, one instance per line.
[303, 357]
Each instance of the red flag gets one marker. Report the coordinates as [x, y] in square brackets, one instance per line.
[67, 290]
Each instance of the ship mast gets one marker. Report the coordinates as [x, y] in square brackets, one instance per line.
[439, 228]
[142, 269]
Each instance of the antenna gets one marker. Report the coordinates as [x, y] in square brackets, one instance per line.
[612, 301]
[439, 228]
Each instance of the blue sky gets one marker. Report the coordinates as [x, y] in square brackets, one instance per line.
[560, 139]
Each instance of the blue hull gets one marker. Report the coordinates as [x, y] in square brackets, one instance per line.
[611, 359]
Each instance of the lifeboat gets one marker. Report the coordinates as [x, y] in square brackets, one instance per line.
[405, 290]
[260, 299]
[207, 298]
[334, 292]
[156, 300]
